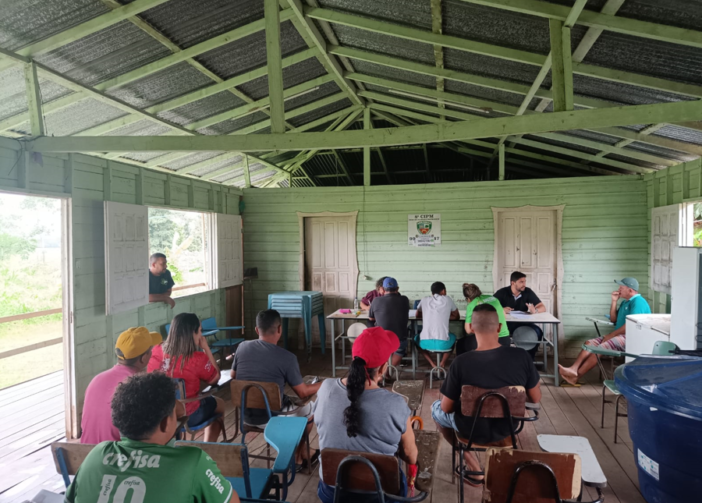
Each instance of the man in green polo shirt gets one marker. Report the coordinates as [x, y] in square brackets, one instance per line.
[474, 296]
[633, 303]
[142, 468]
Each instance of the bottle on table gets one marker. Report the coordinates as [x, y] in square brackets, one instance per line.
[355, 304]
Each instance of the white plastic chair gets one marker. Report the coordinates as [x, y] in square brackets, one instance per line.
[354, 331]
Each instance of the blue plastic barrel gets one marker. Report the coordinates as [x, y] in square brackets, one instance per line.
[664, 398]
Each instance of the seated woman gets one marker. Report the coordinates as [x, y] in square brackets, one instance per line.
[355, 414]
[186, 355]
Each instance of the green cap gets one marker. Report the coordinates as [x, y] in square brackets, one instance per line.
[629, 282]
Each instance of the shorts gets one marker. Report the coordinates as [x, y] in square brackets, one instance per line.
[259, 418]
[442, 418]
[436, 344]
[616, 343]
[402, 350]
[204, 412]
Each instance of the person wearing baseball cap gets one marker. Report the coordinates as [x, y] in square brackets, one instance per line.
[133, 350]
[633, 303]
[391, 311]
[356, 414]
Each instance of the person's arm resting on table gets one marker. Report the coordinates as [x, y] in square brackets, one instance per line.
[304, 390]
[371, 316]
[455, 315]
[419, 312]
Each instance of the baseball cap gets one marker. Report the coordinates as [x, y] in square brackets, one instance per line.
[135, 342]
[630, 282]
[375, 345]
[389, 283]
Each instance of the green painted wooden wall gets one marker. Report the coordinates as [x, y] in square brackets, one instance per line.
[605, 236]
[674, 185]
[88, 182]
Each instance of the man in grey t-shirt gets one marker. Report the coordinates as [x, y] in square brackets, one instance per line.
[263, 360]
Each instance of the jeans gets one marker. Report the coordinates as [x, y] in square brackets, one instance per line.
[326, 493]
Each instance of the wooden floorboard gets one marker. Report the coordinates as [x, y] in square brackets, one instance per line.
[29, 425]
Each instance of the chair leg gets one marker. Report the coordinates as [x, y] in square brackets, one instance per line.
[309, 454]
[616, 416]
[461, 489]
[603, 406]
[453, 464]
[268, 455]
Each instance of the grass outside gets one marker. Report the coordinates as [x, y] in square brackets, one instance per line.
[36, 363]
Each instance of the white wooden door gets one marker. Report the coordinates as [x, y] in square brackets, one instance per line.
[229, 262]
[665, 232]
[126, 257]
[526, 242]
[330, 256]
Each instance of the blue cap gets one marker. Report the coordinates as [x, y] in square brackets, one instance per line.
[390, 283]
[629, 282]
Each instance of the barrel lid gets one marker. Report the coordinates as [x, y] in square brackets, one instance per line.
[673, 384]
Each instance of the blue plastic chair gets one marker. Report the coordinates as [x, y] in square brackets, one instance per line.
[185, 428]
[210, 328]
[233, 461]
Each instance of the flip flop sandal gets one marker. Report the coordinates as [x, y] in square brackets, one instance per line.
[303, 466]
[566, 384]
[468, 479]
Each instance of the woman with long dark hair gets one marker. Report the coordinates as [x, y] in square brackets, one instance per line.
[186, 355]
[356, 414]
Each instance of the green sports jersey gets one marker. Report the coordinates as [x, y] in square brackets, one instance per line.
[134, 472]
[488, 299]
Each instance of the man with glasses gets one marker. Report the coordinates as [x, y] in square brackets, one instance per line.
[144, 467]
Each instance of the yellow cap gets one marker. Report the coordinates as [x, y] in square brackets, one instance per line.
[135, 342]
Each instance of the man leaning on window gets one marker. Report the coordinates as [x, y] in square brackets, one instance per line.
[160, 280]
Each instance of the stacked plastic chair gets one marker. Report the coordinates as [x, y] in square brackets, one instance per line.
[303, 305]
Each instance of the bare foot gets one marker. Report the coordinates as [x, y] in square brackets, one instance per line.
[567, 371]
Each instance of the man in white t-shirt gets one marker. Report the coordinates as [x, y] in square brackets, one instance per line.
[435, 312]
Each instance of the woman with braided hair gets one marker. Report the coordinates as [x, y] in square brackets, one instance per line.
[356, 414]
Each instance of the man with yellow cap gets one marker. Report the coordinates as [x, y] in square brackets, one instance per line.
[133, 350]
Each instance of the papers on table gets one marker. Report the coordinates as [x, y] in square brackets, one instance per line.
[519, 315]
[412, 313]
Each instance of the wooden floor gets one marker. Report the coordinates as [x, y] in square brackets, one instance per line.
[565, 411]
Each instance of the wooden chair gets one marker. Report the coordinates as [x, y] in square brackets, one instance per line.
[367, 476]
[536, 477]
[507, 403]
[68, 457]
[264, 396]
[184, 428]
[233, 461]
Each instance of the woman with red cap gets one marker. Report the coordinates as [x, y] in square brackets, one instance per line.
[356, 414]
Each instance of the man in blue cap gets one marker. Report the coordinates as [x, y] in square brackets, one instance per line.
[391, 311]
[633, 303]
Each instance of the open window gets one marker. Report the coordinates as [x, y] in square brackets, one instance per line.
[203, 251]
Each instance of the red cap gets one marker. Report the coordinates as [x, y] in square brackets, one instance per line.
[375, 345]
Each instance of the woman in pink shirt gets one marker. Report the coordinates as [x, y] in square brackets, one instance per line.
[186, 355]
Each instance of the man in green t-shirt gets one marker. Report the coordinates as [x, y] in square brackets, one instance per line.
[475, 297]
[142, 468]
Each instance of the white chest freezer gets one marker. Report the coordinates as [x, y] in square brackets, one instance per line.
[644, 330]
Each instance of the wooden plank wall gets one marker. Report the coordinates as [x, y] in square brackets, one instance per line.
[605, 236]
[88, 182]
[674, 185]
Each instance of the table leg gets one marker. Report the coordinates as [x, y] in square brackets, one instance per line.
[545, 346]
[333, 345]
[554, 338]
[322, 332]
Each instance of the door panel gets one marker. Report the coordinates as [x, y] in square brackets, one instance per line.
[330, 246]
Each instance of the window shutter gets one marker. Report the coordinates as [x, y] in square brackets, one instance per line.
[229, 261]
[126, 257]
[665, 235]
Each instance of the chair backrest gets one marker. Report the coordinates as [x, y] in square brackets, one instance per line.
[534, 483]
[68, 457]
[471, 397]
[358, 477]
[168, 330]
[416, 303]
[355, 330]
[664, 348]
[230, 458]
[208, 324]
[254, 397]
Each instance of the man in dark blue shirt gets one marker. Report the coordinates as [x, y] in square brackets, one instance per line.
[160, 280]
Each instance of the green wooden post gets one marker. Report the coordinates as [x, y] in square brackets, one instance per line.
[247, 173]
[36, 118]
[567, 68]
[557, 70]
[366, 151]
[502, 161]
[275, 67]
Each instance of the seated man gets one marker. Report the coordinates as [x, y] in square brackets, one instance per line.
[633, 303]
[160, 280]
[490, 366]
[142, 466]
[518, 297]
[133, 350]
[474, 296]
[264, 361]
[436, 311]
[378, 292]
[391, 312]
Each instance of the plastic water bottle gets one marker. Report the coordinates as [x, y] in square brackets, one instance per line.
[355, 304]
